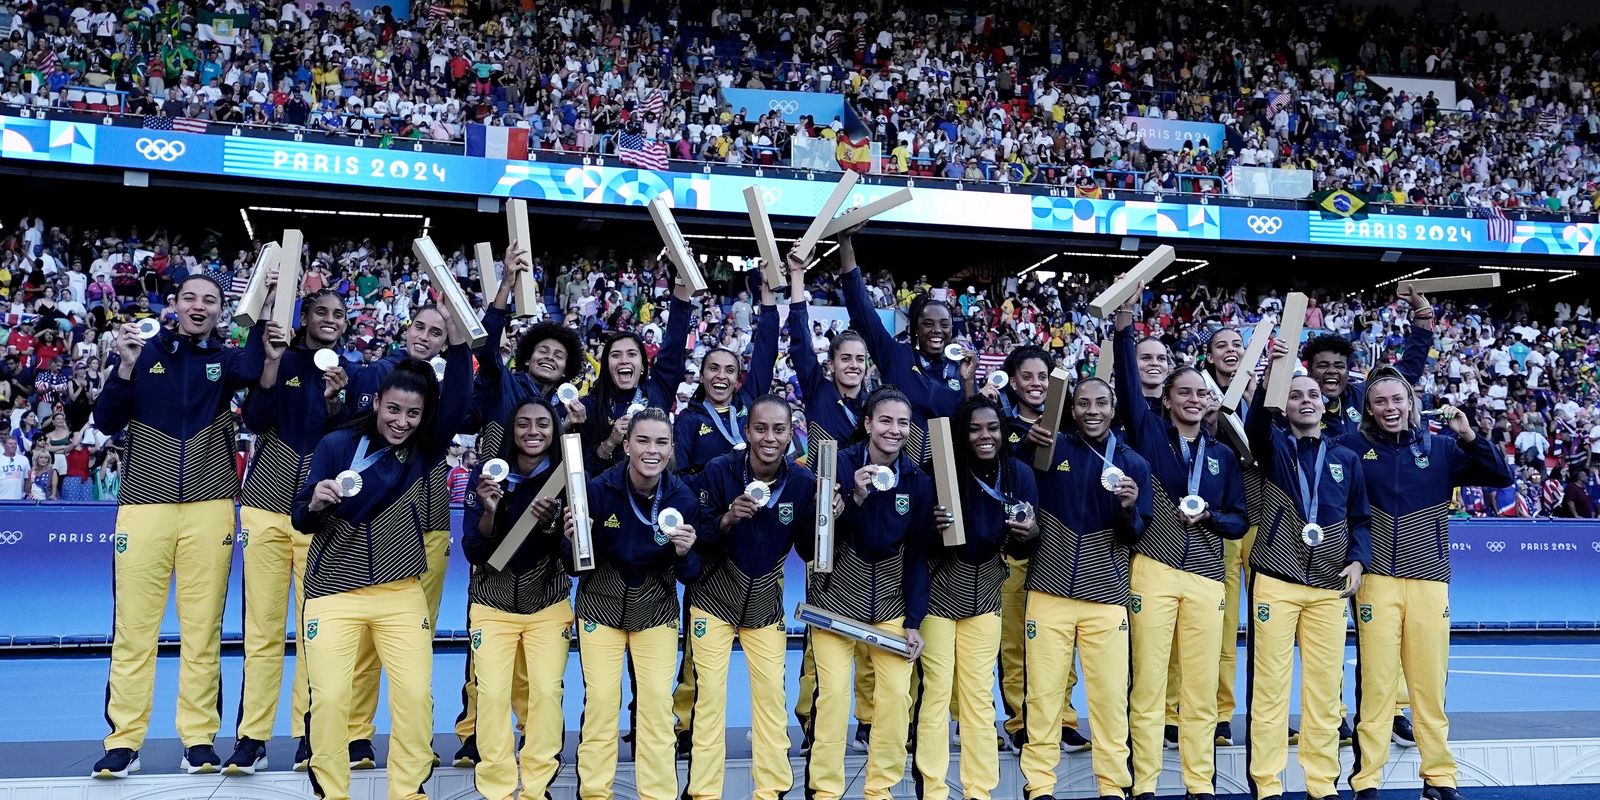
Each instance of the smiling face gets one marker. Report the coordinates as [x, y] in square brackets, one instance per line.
[649, 448]
[1225, 350]
[1093, 408]
[625, 362]
[719, 374]
[532, 430]
[933, 330]
[769, 431]
[199, 306]
[426, 337]
[324, 321]
[888, 426]
[399, 413]
[850, 364]
[983, 434]
[1031, 380]
[1306, 405]
[1153, 364]
[548, 361]
[1389, 401]
[1186, 399]
[1332, 371]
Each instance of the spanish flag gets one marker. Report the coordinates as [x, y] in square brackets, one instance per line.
[1339, 203]
[855, 154]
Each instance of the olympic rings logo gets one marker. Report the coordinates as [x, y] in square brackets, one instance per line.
[784, 107]
[1496, 547]
[1264, 224]
[160, 149]
[770, 196]
[10, 537]
[1595, 545]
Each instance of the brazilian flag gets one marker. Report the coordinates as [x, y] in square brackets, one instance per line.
[1339, 204]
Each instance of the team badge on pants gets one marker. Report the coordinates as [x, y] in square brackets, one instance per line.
[311, 630]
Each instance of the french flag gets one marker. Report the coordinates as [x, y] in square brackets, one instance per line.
[497, 141]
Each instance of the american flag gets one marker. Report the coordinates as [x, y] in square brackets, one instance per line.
[438, 11]
[1228, 178]
[1501, 229]
[1278, 102]
[162, 122]
[635, 150]
[653, 102]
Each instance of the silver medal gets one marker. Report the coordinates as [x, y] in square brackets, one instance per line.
[438, 364]
[496, 469]
[325, 359]
[954, 352]
[1192, 505]
[567, 393]
[148, 327]
[758, 492]
[1018, 511]
[1110, 477]
[635, 408]
[670, 519]
[998, 379]
[1311, 534]
[884, 479]
[349, 483]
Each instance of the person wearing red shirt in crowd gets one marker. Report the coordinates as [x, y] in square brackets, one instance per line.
[21, 338]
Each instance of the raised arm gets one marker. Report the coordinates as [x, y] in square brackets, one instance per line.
[668, 370]
[863, 316]
[1142, 424]
[241, 370]
[763, 355]
[455, 397]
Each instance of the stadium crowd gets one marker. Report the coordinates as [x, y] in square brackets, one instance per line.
[1528, 375]
[1028, 91]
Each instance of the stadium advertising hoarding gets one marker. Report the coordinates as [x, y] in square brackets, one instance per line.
[821, 107]
[56, 563]
[1172, 134]
[936, 202]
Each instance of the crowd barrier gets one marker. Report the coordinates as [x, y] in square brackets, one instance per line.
[56, 563]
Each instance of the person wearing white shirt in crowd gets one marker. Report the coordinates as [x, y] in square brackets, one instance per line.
[13, 470]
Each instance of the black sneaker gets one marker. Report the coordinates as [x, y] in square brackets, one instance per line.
[1441, 793]
[1325, 797]
[1194, 796]
[1367, 794]
[1403, 735]
[362, 755]
[862, 738]
[116, 763]
[200, 759]
[467, 756]
[1169, 736]
[1072, 741]
[1145, 796]
[1346, 735]
[685, 744]
[1224, 734]
[1019, 737]
[302, 754]
[248, 756]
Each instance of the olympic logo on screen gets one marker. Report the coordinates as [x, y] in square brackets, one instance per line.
[1264, 224]
[784, 107]
[10, 537]
[1496, 547]
[160, 149]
